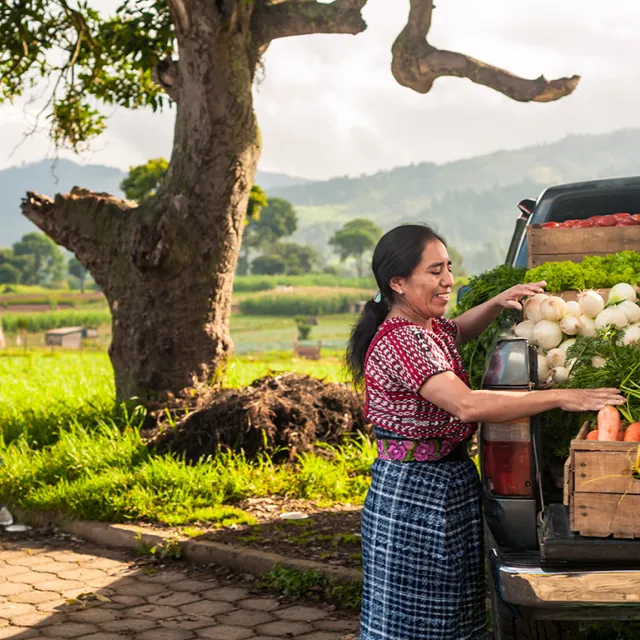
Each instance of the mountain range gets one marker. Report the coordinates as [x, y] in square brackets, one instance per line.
[472, 202]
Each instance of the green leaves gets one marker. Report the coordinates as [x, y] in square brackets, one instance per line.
[593, 272]
[142, 182]
[89, 60]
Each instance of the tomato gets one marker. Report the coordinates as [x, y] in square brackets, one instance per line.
[581, 224]
[621, 216]
[628, 222]
[569, 223]
[550, 225]
[607, 221]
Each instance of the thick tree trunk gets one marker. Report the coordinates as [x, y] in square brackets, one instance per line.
[167, 266]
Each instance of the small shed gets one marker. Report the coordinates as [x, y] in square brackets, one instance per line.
[67, 337]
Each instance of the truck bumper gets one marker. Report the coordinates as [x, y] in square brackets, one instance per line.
[534, 587]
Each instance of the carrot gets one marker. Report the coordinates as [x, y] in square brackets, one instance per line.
[621, 435]
[608, 423]
[592, 435]
[632, 434]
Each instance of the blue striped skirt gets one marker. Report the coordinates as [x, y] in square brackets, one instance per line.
[422, 553]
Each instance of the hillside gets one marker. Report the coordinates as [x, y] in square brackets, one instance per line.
[50, 177]
[472, 202]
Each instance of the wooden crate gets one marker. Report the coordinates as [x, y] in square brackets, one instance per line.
[555, 245]
[599, 488]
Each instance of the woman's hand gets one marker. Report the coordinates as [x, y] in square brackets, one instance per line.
[510, 299]
[588, 399]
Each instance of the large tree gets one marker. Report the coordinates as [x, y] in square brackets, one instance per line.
[166, 266]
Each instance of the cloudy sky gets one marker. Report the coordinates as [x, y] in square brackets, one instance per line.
[329, 105]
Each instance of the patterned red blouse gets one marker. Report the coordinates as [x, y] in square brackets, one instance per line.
[402, 356]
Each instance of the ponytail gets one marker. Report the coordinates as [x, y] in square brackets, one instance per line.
[371, 318]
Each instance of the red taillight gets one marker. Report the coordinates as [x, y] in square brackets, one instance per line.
[506, 458]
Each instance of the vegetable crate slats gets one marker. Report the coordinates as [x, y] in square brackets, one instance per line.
[555, 245]
[600, 490]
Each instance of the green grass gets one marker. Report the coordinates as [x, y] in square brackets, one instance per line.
[106, 473]
[66, 449]
[43, 392]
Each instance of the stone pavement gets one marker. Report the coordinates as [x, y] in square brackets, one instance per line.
[69, 589]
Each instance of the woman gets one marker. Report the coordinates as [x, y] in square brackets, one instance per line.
[421, 526]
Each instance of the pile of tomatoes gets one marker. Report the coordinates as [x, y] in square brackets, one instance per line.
[613, 220]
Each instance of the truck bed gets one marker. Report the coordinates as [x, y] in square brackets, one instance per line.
[558, 544]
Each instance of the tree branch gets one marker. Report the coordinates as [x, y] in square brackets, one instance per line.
[304, 17]
[180, 16]
[416, 64]
[87, 223]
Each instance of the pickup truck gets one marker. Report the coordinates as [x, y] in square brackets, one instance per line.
[544, 579]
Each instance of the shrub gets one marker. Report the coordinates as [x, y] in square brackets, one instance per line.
[53, 320]
[297, 305]
[243, 284]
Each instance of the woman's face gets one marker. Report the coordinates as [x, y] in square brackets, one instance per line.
[426, 291]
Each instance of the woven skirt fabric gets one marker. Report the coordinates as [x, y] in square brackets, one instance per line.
[422, 553]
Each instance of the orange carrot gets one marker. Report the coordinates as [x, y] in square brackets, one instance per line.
[592, 435]
[632, 434]
[621, 435]
[608, 423]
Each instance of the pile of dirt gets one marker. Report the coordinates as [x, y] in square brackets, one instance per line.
[281, 415]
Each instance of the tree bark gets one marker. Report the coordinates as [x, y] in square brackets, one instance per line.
[166, 267]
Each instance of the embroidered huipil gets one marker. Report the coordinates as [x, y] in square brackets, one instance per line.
[401, 358]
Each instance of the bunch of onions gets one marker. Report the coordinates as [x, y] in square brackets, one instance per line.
[550, 324]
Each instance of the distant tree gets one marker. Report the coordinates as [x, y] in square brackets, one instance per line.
[143, 181]
[9, 274]
[45, 262]
[276, 221]
[77, 270]
[269, 265]
[298, 258]
[355, 239]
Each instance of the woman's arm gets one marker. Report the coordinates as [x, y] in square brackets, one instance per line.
[473, 322]
[448, 392]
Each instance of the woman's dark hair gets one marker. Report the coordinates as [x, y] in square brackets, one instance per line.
[397, 254]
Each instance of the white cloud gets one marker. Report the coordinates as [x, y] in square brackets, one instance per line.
[329, 105]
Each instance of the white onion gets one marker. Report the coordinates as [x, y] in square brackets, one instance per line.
[631, 310]
[525, 330]
[611, 315]
[543, 369]
[573, 309]
[598, 362]
[632, 335]
[620, 292]
[553, 308]
[555, 358]
[532, 307]
[591, 303]
[560, 374]
[570, 325]
[567, 344]
[547, 334]
[588, 327]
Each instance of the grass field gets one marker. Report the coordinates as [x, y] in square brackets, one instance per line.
[65, 448]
